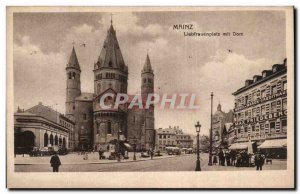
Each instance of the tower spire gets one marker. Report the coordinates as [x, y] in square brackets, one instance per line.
[73, 60]
[111, 55]
[147, 66]
[111, 20]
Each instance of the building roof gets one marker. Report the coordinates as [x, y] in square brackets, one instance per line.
[73, 61]
[26, 117]
[277, 70]
[85, 96]
[147, 66]
[111, 55]
[46, 112]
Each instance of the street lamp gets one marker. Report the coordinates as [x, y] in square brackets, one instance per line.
[119, 157]
[210, 141]
[198, 126]
[134, 148]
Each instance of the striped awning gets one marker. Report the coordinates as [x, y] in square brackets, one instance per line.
[273, 143]
[239, 146]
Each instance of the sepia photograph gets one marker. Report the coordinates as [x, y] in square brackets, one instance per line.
[159, 94]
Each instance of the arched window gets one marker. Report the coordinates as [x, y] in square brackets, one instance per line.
[45, 140]
[145, 80]
[51, 139]
[56, 140]
[73, 77]
[64, 142]
[60, 142]
[109, 127]
[70, 75]
[84, 116]
[110, 64]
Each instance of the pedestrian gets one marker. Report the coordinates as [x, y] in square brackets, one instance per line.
[228, 158]
[55, 162]
[259, 161]
[100, 153]
[85, 156]
[233, 158]
[215, 160]
[151, 154]
[221, 158]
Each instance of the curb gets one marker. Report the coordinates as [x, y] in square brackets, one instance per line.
[113, 162]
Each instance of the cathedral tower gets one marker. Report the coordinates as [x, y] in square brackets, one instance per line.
[147, 87]
[147, 74]
[110, 70]
[73, 84]
[110, 76]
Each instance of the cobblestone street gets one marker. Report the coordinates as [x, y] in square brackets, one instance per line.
[75, 163]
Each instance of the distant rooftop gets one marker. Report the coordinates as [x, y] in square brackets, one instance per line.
[44, 111]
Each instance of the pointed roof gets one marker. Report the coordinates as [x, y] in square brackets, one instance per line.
[147, 66]
[111, 55]
[219, 107]
[73, 61]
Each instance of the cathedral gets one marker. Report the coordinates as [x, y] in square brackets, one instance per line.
[96, 127]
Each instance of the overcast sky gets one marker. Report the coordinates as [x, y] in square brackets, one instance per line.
[197, 65]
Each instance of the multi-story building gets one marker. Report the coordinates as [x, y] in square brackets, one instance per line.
[165, 138]
[260, 112]
[41, 126]
[183, 140]
[172, 137]
[219, 120]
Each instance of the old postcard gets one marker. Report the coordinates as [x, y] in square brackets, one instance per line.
[150, 97]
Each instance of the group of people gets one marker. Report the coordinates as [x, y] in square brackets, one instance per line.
[238, 158]
[227, 156]
[150, 153]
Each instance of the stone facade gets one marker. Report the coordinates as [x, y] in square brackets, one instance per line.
[261, 107]
[96, 127]
[173, 137]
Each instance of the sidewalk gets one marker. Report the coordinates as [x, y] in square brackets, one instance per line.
[277, 165]
[74, 158]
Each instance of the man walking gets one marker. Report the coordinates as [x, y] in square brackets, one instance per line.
[151, 154]
[259, 161]
[55, 162]
[100, 154]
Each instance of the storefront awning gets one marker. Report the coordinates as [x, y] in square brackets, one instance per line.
[274, 143]
[239, 146]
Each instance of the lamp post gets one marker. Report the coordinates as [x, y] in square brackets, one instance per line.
[198, 126]
[210, 135]
[119, 157]
[134, 149]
